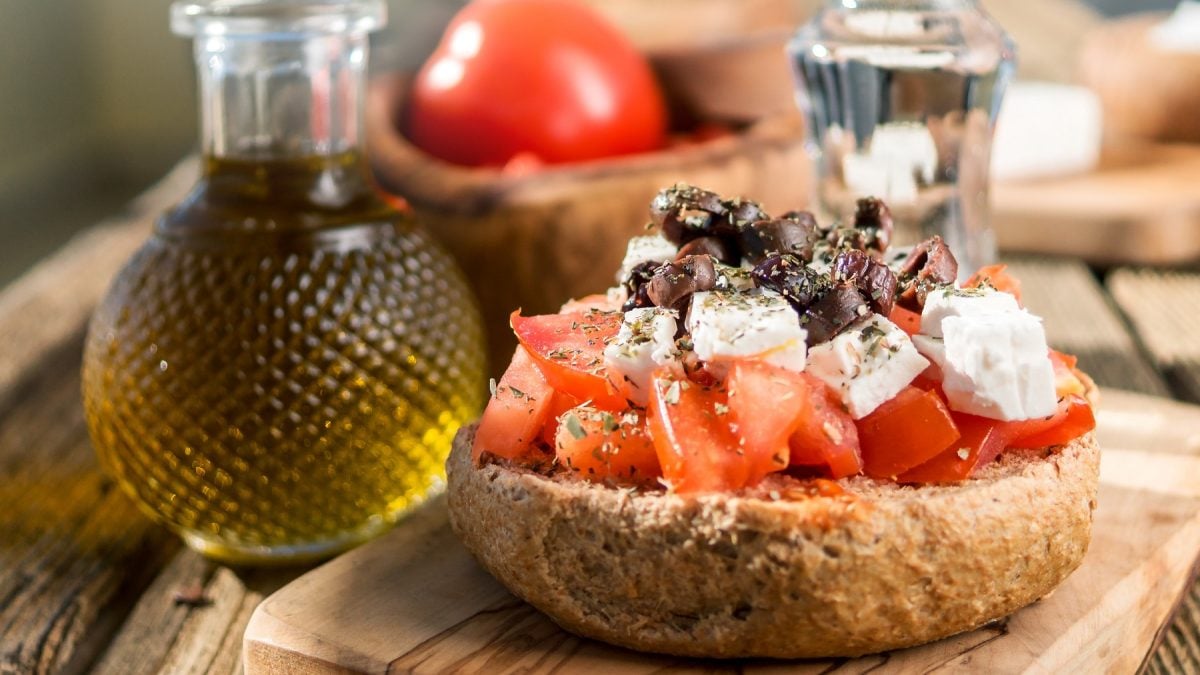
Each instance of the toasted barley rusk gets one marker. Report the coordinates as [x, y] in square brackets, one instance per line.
[882, 567]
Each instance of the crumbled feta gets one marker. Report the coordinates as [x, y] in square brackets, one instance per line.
[994, 365]
[651, 248]
[949, 302]
[646, 340]
[747, 325]
[733, 278]
[867, 364]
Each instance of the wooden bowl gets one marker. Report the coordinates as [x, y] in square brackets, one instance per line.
[739, 79]
[1146, 92]
[536, 240]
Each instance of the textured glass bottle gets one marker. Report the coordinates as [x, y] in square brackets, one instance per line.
[279, 371]
[901, 97]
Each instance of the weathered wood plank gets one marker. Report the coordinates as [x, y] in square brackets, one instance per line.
[1164, 310]
[1080, 320]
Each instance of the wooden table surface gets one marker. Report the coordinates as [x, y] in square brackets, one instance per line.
[89, 584]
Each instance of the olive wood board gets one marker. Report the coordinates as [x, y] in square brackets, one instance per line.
[1140, 205]
[415, 601]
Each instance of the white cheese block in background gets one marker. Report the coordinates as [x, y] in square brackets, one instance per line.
[1181, 32]
[994, 365]
[759, 325]
[1046, 129]
[867, 364]
[646, 340]
[651, 248]
[941, 304]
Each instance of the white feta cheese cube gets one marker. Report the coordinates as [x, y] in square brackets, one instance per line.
[944, 303]
[761, 325]
[646, 340]
[867, 364]
[994, 365]
[651, 248]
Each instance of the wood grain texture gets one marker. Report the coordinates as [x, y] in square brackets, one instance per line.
[1139, 206]
[414, 601]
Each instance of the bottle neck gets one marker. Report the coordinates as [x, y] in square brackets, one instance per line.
[265, 99]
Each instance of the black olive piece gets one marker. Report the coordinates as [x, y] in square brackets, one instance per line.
[781, 235]
[713, 246]
[742, 212]
[685, 212]
[847, 239]
[841, 306]
[874, 219]
[674, 282]
[790, 277]
[930, 265]
[876, 280]
[635, 285]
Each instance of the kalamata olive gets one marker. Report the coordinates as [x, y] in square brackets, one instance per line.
[635, 285]
[674, 282]
[788, 275]
[876, 280]
[873, 218]
[781, 235]
[685, 212]
[830, 314]
[743, 212]
[930, 265]
[713, 246]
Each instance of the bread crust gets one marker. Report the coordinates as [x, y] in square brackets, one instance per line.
[882, 567]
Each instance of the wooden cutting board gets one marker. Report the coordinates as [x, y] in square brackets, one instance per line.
[1140, 205]
[415, 601]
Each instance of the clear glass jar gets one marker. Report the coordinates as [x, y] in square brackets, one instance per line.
[279, 372]
[901, 98]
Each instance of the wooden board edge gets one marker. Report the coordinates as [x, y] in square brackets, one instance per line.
[265, 650]
[1192, 578]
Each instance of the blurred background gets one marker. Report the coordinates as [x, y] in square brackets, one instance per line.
[97, 99]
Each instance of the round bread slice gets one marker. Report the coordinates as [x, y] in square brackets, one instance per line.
[779, 572]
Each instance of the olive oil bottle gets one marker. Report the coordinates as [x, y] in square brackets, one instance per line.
[278, 373]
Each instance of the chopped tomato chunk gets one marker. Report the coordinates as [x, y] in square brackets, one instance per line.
[984, 439]
[907, 319]
[766, 403]
[696, 446]
[559, 404]
[905, 432]
[569, 350]
[998, 278]
[599, 446]
[1073, 419]
[1066, 382]
[516, 413]
[825, 434]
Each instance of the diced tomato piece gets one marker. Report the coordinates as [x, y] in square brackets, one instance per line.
[998, 278]
[825, 434]
[1073, 419]
[516, 413]
[905, 432]
[767, 403]
[559, 404]
[696, 446]
[599, 301]
[569, 350]
[907, 319]
[984, 439]
[599, 446]
[1066, 382]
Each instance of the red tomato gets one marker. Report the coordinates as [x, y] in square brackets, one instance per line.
[547, 77]
[825, 435]
[600, 445]
[1066, 382]
[998, 278]
[766, 404]
[984, 439]
[693, 438]
[516, 413]
[559, 404]
[907, 319]
[904, 432]
[569, 350]
[1073, 419]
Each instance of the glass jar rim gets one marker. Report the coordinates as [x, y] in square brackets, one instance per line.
[275, 18]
